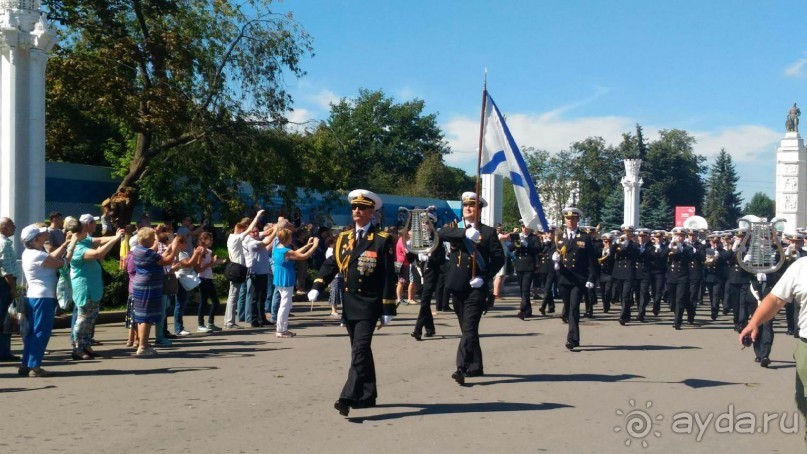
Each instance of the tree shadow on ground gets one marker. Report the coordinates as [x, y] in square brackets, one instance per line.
[114, 372]
[18, 390]
[443, 409]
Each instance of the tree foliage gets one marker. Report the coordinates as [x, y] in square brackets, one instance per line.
[672, 171]
[721, 207]
[554, 179]
[158, 75]
[761, 205]
[379, 144]
[594, 166]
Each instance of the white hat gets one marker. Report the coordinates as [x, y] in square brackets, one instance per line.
[29, 233]
[627, 227]
[679, 231]
[572, 211]
[365, 197]
[87, 218]
[643, 231]
[471, 197]
[133, 242]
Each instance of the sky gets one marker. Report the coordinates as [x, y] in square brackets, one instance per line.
[564, 70]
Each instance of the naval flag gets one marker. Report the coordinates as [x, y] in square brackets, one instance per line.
[501, 156]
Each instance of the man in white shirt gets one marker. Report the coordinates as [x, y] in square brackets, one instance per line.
[235, 252]
[791, 287]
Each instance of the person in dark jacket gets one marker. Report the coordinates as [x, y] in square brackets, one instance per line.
[525, 247]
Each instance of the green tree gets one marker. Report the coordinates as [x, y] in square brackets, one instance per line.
[593, 165]
[613, 213]
[554, 179]
[437, 180]
[761, 205]
[722, 205]
[673, 171]
[655, 213]
[381, 143]
[166, 75]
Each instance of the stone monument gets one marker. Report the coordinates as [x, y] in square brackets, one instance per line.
[25, 43]
[631, 185]
[791, 174]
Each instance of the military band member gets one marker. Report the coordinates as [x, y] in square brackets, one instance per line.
[793, 252]
[680, 257]
[365, 256]
[696, 267]
[737, 284]
[550, 275]
[469, 280]
[658, 268]
[575, 261]
[759, 289]
[624, 274]
[605, 266]
[644, 278]
[525, 246]
[715, 273]
[432, 266]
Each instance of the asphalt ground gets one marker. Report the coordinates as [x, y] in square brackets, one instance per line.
[245, 391]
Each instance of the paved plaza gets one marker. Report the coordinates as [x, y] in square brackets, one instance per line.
[246, 391]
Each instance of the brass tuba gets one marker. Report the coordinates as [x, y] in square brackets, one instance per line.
[758, 250]
[419, 233]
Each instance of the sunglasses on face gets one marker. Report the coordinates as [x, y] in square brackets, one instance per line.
[359, 207]
[468, 204]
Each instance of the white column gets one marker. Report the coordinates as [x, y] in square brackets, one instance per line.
[36, 136]
[8, 130]
[791, 181]
[492, 192]
[631, 184]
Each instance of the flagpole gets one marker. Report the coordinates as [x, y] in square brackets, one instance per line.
[479, 165]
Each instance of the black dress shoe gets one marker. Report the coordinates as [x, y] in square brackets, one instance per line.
[590, 314]
[677, 327]
[80, 356]
[655, 312]
[551, 310]
[640, 318]
[542, 311]
[255, 324]
[520, 315]
[691, 322]
[622, 322]
[342, 406]
[787, 333]
[765, 362]
[570, 345]
[756, 360]
[169, 335]
[416, 336]
[459, 377]
[429, 334]
[714, 315]
[564, 319]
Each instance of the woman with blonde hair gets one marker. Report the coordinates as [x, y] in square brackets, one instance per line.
[147, 287]
[285, 275]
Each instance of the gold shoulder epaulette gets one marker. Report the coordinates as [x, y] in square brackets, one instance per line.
[383, 234]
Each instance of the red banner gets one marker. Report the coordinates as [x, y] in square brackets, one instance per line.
[681, 215]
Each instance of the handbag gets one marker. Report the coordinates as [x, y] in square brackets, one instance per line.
[170, 284]
[235, 272]
[64, 290]
[188, 278]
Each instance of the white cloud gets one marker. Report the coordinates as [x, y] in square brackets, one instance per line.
[796, 69]
[744, 143]
[299, 120]
[323, 99]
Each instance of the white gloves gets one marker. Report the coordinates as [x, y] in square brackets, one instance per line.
[556, 256]
[423, 257]
[386, 319]
[747, 258]
[658, 247]
[477, 282]
[472, 234]
[589, 284]
[313, 295]
[762, 277]
[557, 266]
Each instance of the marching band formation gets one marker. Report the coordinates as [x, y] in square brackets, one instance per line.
[641, 269]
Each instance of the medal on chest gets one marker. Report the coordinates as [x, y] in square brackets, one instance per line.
[367, 262]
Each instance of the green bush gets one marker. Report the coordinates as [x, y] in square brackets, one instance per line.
[116, 285]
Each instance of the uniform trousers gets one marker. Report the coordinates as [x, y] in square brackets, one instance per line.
[792, 318]
[469, 305]
[642, 287]
[736, 296]
[659, 281]
[679, 297]
[715, 294]
[442, 295]
[425, 319]
[695, 287]
[525, 284]
[572, 294]
[606, 288]
[549, 297]
[626, 290]
[360, 386]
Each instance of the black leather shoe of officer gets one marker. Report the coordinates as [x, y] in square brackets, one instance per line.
[714, 315]
[416, 336]
[640, 318]
[459, 376]
[571, 345]
[542, 311]
[564, 319]
[551, 310]
[756, 360]
[788, 332]
[342, 406]
[429, 334]
[655, 312]
[622, 322]
[765, 362]
[520, 315]
[677, 327]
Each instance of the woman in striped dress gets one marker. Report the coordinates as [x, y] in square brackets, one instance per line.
[147, 286]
